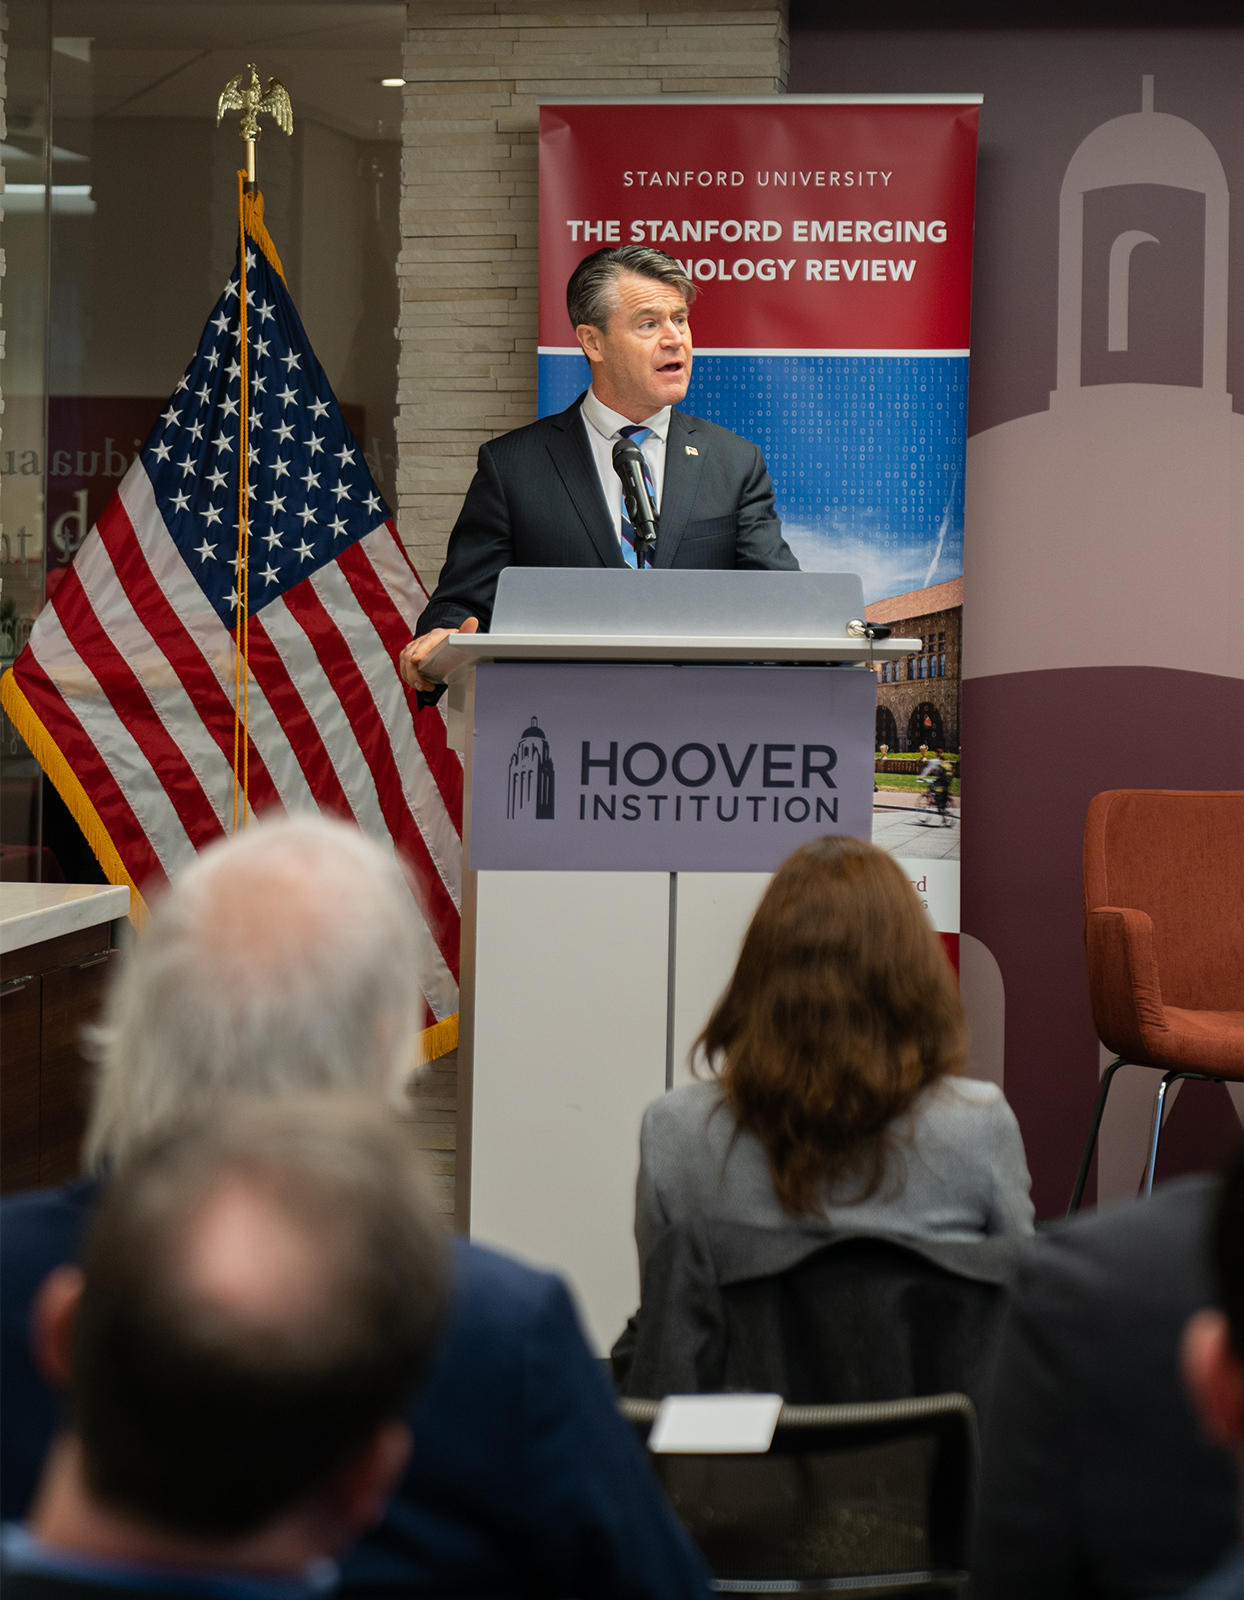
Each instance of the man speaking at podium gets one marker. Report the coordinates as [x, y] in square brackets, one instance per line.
[548, 495]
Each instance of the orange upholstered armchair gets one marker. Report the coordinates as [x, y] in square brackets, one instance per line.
[1164, 930]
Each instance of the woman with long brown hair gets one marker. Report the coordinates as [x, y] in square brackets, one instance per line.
[836, 1094]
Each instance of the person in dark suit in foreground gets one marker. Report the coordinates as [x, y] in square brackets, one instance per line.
[260, 1293]
[1213, 1364]
[1095, 1479]
[548, 496]
[285, 959]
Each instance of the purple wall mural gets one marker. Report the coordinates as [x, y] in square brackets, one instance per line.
[1104, 521]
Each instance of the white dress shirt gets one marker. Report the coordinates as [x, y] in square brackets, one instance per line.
[603, 432]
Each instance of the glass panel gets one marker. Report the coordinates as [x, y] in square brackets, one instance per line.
[23, 454]
[114, 270]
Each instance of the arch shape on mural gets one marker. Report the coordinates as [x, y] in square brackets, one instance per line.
[924, 726]
[1144, 146]
[887, 729]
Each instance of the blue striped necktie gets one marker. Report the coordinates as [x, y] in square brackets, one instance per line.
[629, 555]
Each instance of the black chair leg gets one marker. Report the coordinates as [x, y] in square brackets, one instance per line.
[1159, 1110]
[1107, 1077]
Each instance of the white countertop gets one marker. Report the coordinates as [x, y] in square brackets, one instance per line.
[32, 912]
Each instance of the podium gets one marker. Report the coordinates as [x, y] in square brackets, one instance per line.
[641, 751]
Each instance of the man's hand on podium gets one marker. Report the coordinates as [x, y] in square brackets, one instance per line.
[414, 652]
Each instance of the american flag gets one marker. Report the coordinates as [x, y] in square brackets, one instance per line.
[125, 692]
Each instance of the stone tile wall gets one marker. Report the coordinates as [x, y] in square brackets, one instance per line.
[476, 71]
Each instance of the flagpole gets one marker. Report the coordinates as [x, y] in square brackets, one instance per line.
[243, 93]
[241, 631]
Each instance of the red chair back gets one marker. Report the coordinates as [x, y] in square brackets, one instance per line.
[1177, 855]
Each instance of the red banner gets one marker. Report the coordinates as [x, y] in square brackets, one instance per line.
[820, 226]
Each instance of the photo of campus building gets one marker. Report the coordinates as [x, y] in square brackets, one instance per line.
[918, 697]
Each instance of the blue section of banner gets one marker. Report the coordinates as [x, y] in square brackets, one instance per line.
[866, 453]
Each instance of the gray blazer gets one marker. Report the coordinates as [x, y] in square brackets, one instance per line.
[956, 1170]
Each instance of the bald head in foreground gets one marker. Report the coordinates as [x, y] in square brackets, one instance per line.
[260, 1294]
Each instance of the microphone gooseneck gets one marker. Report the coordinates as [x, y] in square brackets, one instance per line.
[628, 463]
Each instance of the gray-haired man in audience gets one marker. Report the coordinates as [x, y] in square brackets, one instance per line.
[284, 960]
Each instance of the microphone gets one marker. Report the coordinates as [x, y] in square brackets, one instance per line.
[628, 463]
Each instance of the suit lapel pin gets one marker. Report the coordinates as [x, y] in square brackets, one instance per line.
[691, 450]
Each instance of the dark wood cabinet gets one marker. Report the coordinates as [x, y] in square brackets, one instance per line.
[49, 992]
[21, 1007]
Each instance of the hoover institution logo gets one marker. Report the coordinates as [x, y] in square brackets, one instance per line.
[665, 768]
[530, 780]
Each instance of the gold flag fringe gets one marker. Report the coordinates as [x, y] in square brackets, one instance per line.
[440, 1038]
[46, 752]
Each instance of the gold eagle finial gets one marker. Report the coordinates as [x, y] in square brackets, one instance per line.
[245, 94]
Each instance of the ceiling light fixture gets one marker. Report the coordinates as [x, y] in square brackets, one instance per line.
[393, 83]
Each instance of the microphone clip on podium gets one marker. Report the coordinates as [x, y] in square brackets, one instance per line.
[857, 629]
[628, 463]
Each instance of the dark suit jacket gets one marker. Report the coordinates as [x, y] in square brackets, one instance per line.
[1095, 1480]
[523, 1478]
[536, 501]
